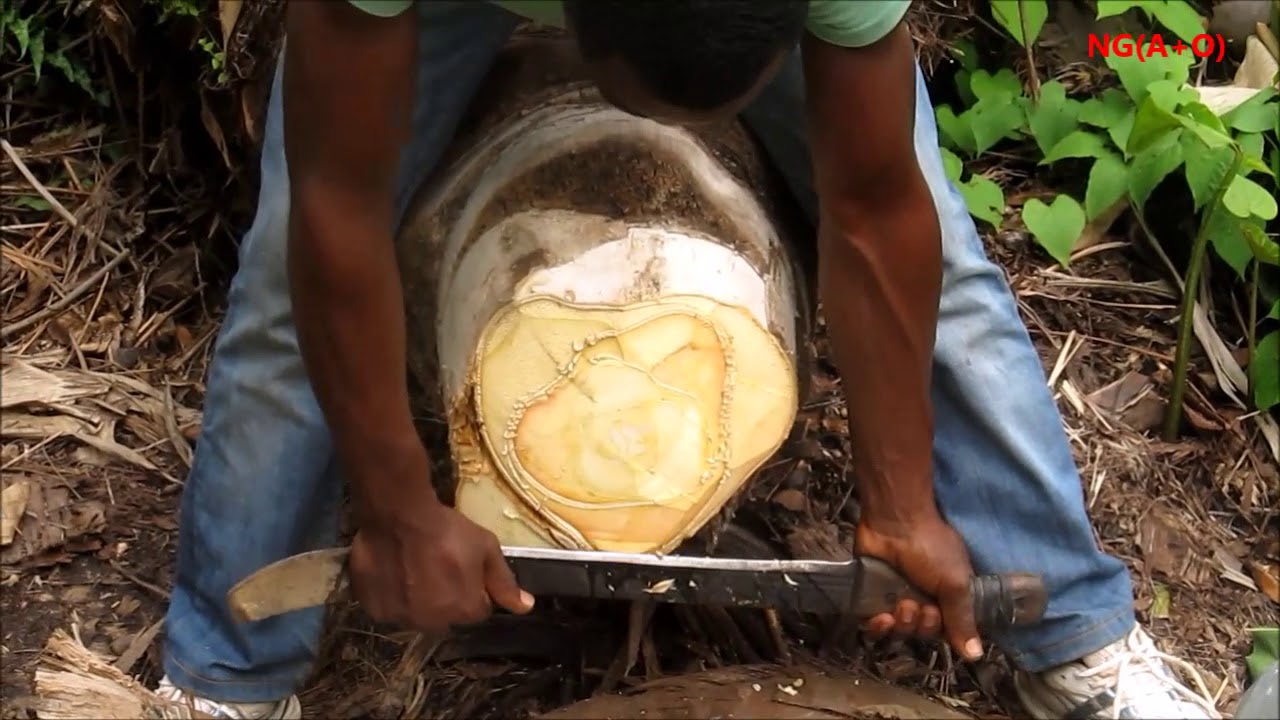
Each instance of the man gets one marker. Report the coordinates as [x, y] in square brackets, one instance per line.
[955, 434]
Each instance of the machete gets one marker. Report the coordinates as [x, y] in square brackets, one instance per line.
[861, 587]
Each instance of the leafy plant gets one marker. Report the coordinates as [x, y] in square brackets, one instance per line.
[30, 37]
[1133, 137]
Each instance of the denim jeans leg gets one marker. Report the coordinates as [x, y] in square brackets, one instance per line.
[1004, 475]
[264, 483]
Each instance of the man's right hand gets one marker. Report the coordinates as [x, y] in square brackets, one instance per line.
[425, 566]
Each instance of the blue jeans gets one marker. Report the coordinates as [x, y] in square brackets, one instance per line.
[264, 485]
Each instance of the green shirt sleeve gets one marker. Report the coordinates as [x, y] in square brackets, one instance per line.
[855, 23]
[382, 8]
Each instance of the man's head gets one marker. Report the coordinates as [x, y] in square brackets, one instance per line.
[684, 60]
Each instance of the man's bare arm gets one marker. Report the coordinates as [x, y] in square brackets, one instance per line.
[348, 98]
[881, 264]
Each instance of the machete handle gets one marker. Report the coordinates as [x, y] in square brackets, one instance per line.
[1005, 600]
[1000, 601]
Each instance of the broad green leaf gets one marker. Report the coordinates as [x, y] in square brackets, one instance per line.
[1206, 169]
[1151, 124]
[1055, 227]
[1001, 87]
[1148, 168]
[1107, 109]
[1275, 311]
[1265, 650]
[1264, 376]
[1108, 182]
[1179, 17]
[1078, 144]
[1138, 73]
[1012, 15]
[966, 54]
[984, 199]
[1245, 197]
[1199, 112]
[1119, 132]
[1111, 8]
[1169, 95]
[1265, 250]
[952, 165]
[1230, 243]
[954, 130]
[1255, 115]
[1252, 145]
[1053, 117]
[992, 121]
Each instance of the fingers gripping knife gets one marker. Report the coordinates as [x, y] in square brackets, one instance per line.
[862, 587]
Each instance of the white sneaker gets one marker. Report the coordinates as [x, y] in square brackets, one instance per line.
[1129, 678]
[287, 709]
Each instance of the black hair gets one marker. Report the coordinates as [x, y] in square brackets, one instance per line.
[694, 54]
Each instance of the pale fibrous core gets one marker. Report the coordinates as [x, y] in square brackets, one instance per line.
[618, 428]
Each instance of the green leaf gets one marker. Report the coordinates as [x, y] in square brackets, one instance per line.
[1108, 182]
[1179, 17]
[1199, 119]
[1227, 235]
[955, 131]
[1001, 87]
[1056, 227]
[1206, 169]
[1264, 377]
[1275, 311]
[1151, 124]
[1245, 197]
[1053, 117]
[1252, 144]
[1152, 165]
[1169, 95]
[1012, 15]
[1120, 131]
[1107, 109]
[993, 121]
[1079, 144]
[984, 198]
[952, 165]
[1264, 249]
[37, 52]
[1111, 8]
[1138, 73]
[1266, 648]
[32, 202]
[1255, 115]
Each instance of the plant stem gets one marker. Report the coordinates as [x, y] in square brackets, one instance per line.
[1186, 318]
[1028, 45]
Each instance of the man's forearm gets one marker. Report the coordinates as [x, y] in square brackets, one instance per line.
[343, 149]
[349, 311]
[880, 287]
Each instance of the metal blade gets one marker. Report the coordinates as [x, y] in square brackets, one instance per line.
[863, 586]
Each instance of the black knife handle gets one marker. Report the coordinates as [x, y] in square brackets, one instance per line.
[1000, 601]
[1003, 601]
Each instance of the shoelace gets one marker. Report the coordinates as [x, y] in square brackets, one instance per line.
[1141, 659]
[182, 705]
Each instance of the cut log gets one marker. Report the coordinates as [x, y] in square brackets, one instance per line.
[609, 309]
